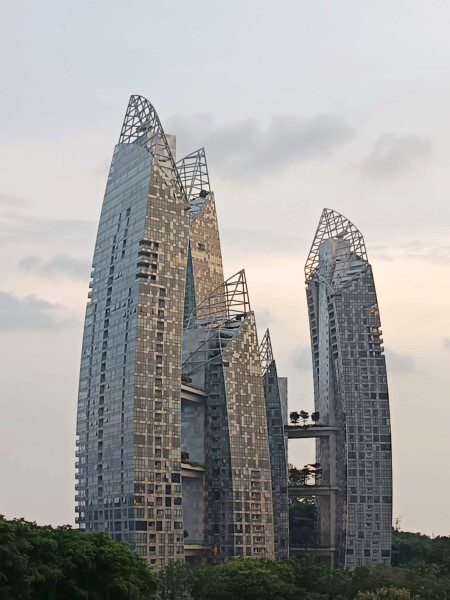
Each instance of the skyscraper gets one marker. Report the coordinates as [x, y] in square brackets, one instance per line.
[276, 407]
[221, 356]
[351, 395]
[172, 433]
[128, 426]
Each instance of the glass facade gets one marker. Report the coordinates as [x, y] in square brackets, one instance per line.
[128, 425]
[172, 458]
[351, 394]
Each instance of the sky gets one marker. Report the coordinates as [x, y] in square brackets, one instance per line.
[300, 106]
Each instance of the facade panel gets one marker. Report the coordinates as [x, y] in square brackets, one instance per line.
[128, 425]
[351, 394]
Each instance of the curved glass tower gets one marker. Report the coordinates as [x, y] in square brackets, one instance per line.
[351, 395]
[172, 457]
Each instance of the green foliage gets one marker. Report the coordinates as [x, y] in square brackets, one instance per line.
[420, 550]
[38, 563]
[63, 563]
[302, 522]
[387, 594]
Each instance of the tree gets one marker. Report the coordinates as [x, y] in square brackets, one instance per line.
[294, 475]
[43, 563]
[387, 594]
[184, 456]
[304, 416]
[315, 417]
[304, 475]
[176, 582]
[316, 472]
[295, 417]
[244, 579]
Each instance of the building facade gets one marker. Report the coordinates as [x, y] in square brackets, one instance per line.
[275, 394]
[221, 356]
[172, 433]
[351, 395]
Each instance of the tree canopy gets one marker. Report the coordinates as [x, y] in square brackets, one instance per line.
[45, 563]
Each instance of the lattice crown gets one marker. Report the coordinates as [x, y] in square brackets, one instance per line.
[334, 225]
[142, 126]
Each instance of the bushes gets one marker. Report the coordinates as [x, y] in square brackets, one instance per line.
[43, 563]
[64, 563]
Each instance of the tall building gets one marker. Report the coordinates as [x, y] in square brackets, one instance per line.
[221, 357]
[351, 395]
[172, 432]
[275, 393]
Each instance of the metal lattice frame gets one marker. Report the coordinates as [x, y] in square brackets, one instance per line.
[226, 302]
[334, 225]
[194, 175]
[265, 353]
[221, 315]
[142, 126]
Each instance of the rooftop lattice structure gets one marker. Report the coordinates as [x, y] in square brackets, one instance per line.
[226, 302]
[333, 225]
[220, 316]
[193, 170]
[266, 353]
[142, 126]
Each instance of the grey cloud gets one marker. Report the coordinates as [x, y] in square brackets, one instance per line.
[263, 317]
[17, 226]
[30, 314]
[392, 155]
[446, 342]
[398, 362]
[59, 265]
[301, 358]
[246, 148]
[438, 254]
[11, 201]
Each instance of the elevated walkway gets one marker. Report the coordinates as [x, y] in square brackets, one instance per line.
[196, 471]
[306, 491]
[298, 432]
[192, 394]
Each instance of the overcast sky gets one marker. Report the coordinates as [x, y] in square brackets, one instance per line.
[301, 105]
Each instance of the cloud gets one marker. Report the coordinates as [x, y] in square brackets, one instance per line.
[16, 227]
[59, 265]
[30, 314]
[246, 148]
[398, 362]
[438, 254]
[263, 317]
[446, 342]
[392, 155]
[301, 358]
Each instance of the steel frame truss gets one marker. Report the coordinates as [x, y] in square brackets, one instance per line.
[266, 353]
[193, 170]
[334, 225]
[220, 315]
[226, 302]
[142, 126]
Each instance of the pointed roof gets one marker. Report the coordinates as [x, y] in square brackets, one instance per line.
[142, 126]
[220, 316]
[333, 225]
[193, 170]
[229, 300]
[266, 352]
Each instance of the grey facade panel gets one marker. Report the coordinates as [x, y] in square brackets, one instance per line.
[351, 393]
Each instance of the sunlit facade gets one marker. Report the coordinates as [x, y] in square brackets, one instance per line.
[172, 431]
[351, 395]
